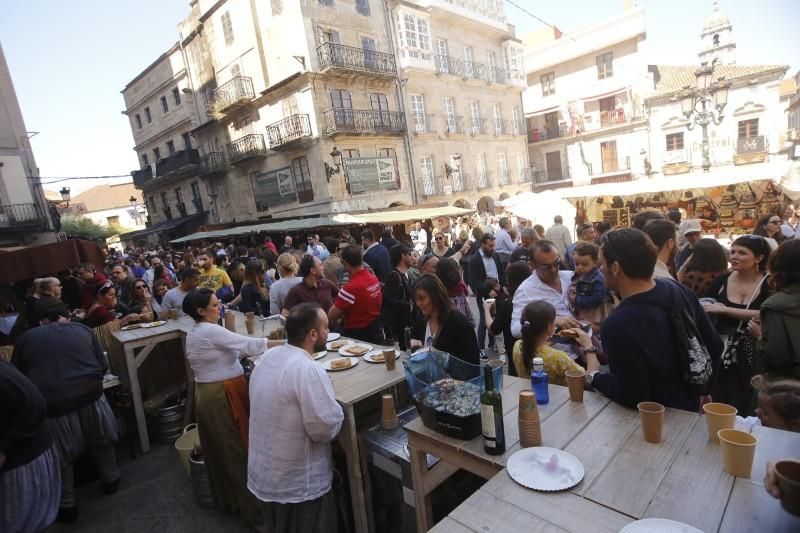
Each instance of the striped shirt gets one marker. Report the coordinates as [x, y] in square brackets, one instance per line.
[361, 300]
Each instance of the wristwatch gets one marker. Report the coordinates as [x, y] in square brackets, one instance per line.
[590, 349]
[590, 376]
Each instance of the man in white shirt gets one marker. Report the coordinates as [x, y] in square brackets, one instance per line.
[504, 244]
[293, 418]
[190, 279]
[664, 236]
[419, 237]
[559, 235]
[791, 225]
[547, 283]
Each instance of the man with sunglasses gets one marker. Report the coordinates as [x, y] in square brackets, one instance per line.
[547, 283]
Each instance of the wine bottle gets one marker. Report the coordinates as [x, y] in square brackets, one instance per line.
[494, 436]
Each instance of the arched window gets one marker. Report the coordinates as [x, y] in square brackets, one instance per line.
[716, 39]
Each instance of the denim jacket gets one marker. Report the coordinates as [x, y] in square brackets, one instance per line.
[590, 290]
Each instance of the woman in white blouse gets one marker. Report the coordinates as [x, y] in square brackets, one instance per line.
[223, 403]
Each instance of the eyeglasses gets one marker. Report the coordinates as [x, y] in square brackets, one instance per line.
[439, 238]
[776, 222]
[551, 266]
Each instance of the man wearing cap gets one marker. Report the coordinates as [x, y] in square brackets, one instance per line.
[692, 233]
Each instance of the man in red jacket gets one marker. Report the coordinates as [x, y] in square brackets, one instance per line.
[92, 281]
[359, 301]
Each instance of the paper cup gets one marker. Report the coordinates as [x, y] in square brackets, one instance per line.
[389, 358]
[719, 416]
[652, 417]
[163, 315]
[388, 413]
[788, 473]
[173, 314]
[575, 381]
[528, 409]
[738, 449]
[230, 322]
[250, 324]
[530, 433]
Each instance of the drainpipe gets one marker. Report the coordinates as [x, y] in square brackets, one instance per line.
[401, 102]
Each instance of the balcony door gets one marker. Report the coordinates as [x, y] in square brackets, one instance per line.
[418, 112]
[608, 153]
[455, 174]
[370, 55]
[333, 52]
[302, 180]
[381, 118]
[342, 108]
[553, 162]
[475, 117]
[607, 107]
[551, 125]
[450, 112]
[469, 63]
[442, 60]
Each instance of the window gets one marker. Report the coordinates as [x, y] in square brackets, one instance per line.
[164, 106]
[187, 141]
[604, 65]
[516, 122]
[475, 117]
[277, 7]
[179, 195]
[675, 141]
[513, 56]
[340, 99]
[330, 36]
[138, 119]
[552, 161]
[748, 128]
[176, 96]
[492, 63]
[498, 119]
[195, 190]
[351, 153]
[362, 7]
[716, 39]
[418, 112]
[548, 82]
[152, 203]
[426, 171]
[415, 36]
[608, 153]
[483, 174]
[145, 161]
[469, 62]
[380, 110]
[520, 166]
[236, 70]
[164, 200]
[450, 111]
[502, 168]
[147, 115]
[326, 2]
[442, 59]
[113, 221]
[227, 28]
[171, 147]
[302, 179]
[156, 154]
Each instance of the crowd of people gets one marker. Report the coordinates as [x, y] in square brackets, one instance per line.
[652, 313]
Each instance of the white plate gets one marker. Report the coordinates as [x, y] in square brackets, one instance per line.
[532, 468]
[658, 525]
[353, 362]
[330, 349]
[368, 357]
[154, 324]
[333, 336]
[131, 326]
[319, 355]
[347, 354]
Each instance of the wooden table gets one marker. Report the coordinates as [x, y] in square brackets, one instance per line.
[625, 477]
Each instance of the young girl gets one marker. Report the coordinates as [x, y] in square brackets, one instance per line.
[588, 294]
[778, 405]
[538, 325]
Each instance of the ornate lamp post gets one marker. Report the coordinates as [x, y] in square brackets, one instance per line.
[65, 197]
[696, 104]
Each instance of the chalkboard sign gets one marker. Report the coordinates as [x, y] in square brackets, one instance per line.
[366, 174]
[274, 188]
[620, 217]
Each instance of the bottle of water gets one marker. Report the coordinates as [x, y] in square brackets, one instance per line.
[539, 381]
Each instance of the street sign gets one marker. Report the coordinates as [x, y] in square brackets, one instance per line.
[366, 174]
[273, 188]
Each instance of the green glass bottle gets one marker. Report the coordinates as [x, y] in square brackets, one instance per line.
[494, 435]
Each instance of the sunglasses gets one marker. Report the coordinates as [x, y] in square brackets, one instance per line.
[439, 238]
[551, 266]
[776, 222]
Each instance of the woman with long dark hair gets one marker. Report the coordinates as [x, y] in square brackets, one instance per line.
[707, 263]
[223, 403]
[442, 327]
[769, 227]
[501, 321]
[449, 273]
[254, 294]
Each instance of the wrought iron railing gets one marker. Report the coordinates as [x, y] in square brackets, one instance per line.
[364, 121]
[500, 126]
[503, 177]
[239, 88]
[213, 162]
[430, 186]
[332, 55]
[477, 126]
[547, 132]
[142, 176]
[453, 124]
[612, 117]
[449, 65]
[19, 215]
[177, 161]
[198, 204]
[485, 179]
[517, 127]
[247, 147]
[496, 74]
[474, 71]
[751, 145]
[460, 182]
[289, 129]
[550, 176]
[422, 123]
[524, 175]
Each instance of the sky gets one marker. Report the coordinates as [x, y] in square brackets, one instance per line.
[70, 60]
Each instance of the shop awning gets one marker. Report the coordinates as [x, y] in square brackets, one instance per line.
[163, 226]
[408, 215]
[717, 177]
[37, 261]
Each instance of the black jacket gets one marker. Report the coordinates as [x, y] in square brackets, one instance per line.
[455, 337]
[23, 434]
[477, 274]
[378, 258]
[397, 308]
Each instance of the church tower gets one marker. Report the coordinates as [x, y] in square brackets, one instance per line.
[718, 46]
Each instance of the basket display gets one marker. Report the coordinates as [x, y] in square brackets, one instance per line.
[446, 392]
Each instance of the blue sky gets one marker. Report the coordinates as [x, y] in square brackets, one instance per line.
[70, 60]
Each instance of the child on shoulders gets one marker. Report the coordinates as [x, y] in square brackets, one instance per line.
[588, 295]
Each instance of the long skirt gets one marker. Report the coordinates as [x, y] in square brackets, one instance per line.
[222, 414]
[29, 495]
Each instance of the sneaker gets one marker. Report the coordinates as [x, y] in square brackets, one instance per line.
[67, 515]
[483, 356]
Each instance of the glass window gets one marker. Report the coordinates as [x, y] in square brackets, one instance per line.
[145, 160]
[748, 128]
[138, 119]
[164, 105]
[171, 147]
[176, 96]
[157, 154]
[605, 65]
[362, 7]
[548, 82]
[675, 141]
[227, 28]
[147, 115]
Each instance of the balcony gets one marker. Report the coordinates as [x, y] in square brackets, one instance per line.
[474, 71]
[231, 95]
[364, 122]
[612, 117]
[142, 176]
[213, 163]
[180, 163]
[547, 133]
[449, 65]
[517, 127]
[503, 178]
[485, 180]
[676, 161]
[454, 125]
[477, 126]
[524, 175]
[750, 150]
[551, 179]
[348, 59]
[20, 216]
[247, 148]
[500, 127]
[432, 185]
[496, 75]
[289, 132]
[460, 182]
[422, 123]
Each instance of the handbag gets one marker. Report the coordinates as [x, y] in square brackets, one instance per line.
[740, 347]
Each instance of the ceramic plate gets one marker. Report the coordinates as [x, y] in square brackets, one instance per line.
[319, 355]
[370, 357]
[131, 326]
[658, 525]
[543, 468]
[154, 324]
[333, 346]
[333, 336]
[353, 362]
[362, 345]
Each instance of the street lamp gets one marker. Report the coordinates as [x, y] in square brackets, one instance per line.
[132, 200]
[696, 104]
[336, 155]
[65, 196]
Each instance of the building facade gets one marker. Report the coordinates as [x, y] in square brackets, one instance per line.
[584, 105]
[322, 106]
[25, 215]
[116, 205]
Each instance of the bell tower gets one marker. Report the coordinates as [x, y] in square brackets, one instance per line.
[717, 44]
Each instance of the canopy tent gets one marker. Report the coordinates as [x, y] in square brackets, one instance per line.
[163, 226]
[540, 208]
[37, 261]
[341, 219]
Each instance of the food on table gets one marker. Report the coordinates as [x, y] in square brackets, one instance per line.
[338, 364]
[569, 333]
[335, 345]
[357, 349]
[277, 334]
[451, 396]
[378, 358]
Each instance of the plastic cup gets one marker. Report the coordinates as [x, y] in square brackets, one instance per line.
[788, 474]
[719, 416]
[389, 358]
[575, 381]
[652, 417]
[250, 324]
[173, 314]
[495, 363]
[738, 449]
